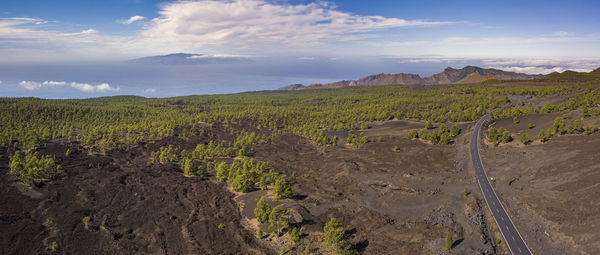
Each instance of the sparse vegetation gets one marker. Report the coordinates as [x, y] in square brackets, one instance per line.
[279, 218]
[545, 135]
[282, 188]
[294, 236]
[449, 241]
[262, 210]
[428, 124]
[307, 249]
[525, 139]
[443, 136]
[54, 246]
[357, 141]
[86, 221]
[287, 249]
[497, 136]
[219, 135]
[335, 237]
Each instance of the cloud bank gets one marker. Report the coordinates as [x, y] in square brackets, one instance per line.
[262, 26]
[85, 87]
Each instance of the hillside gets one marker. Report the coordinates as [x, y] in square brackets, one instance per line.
[571, 76]
[468, 74]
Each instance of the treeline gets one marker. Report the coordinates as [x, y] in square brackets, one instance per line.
[102, 124]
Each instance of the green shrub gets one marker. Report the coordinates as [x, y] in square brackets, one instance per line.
[262, 210]
[559, 125]
[428, 124]
[86, 221]
[259, 234]
[545, 135]
[335, 237]
[525, 139]
[294, 236]
[279, 218]
[221, 226]
[282, 188]
[31, 166]
[413, 134]
[591, 129]
[575, 127]
[449, 241]
[493, 135]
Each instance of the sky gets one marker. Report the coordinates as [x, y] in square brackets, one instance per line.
[321, 40]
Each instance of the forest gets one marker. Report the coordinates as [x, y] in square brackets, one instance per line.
[98, 125]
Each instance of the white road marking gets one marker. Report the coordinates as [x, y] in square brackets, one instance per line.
[520, 250]
[513, 237]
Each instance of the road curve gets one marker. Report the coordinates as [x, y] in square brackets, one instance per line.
[511, 236]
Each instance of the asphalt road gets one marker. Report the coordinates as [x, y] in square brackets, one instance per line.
[511, 236]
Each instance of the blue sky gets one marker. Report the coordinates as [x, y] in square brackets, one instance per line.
[524, 36]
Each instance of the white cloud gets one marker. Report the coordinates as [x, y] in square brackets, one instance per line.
[261, 26]
[215, 56]
[104, 87]
[23, 39]
[85, 87]
[132, 20]
[30, 85]
[150, 90]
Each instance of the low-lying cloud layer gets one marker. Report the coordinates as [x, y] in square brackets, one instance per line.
[85, 87]
[518, 65]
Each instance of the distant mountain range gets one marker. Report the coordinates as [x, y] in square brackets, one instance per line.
[466, 75]
[190, 59]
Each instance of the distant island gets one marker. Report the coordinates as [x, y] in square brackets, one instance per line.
[189, 59]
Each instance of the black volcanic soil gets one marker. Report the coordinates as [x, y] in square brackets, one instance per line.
[135, 208]
[401, 201]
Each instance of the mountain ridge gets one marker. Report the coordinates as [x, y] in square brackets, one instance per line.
[467, 74]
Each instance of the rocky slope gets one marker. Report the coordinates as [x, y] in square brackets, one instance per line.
[468, 74]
